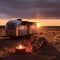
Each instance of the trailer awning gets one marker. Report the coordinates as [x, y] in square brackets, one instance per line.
[27, 23]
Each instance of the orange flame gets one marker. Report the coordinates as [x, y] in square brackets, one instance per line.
[20, 46]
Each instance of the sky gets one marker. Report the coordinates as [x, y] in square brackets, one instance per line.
[30, 9]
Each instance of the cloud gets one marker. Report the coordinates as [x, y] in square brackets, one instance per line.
[30, 8]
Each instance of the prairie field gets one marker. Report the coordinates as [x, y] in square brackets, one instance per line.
[49, 52]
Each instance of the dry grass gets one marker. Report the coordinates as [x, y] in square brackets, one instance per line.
[49, 52]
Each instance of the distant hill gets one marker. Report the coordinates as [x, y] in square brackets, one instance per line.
[2, 27]
[49, 28]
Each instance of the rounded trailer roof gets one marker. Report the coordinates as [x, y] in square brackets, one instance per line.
[17, 23]
[13, 23]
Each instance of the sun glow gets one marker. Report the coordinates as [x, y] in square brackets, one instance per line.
[38, 25]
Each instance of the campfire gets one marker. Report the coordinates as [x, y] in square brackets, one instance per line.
[23, 49]
[20, 49]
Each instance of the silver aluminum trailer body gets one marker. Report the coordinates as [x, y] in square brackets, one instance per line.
[18, 28]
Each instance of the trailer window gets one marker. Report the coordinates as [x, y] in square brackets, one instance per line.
[32, 29]
[22, 30]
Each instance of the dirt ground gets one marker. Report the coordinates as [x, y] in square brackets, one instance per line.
[7, 52]
[49, 52]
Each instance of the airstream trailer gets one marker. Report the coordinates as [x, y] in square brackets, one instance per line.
[18, 28]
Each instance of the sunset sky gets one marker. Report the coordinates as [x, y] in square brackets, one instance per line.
[42, 22]
[47, 11]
